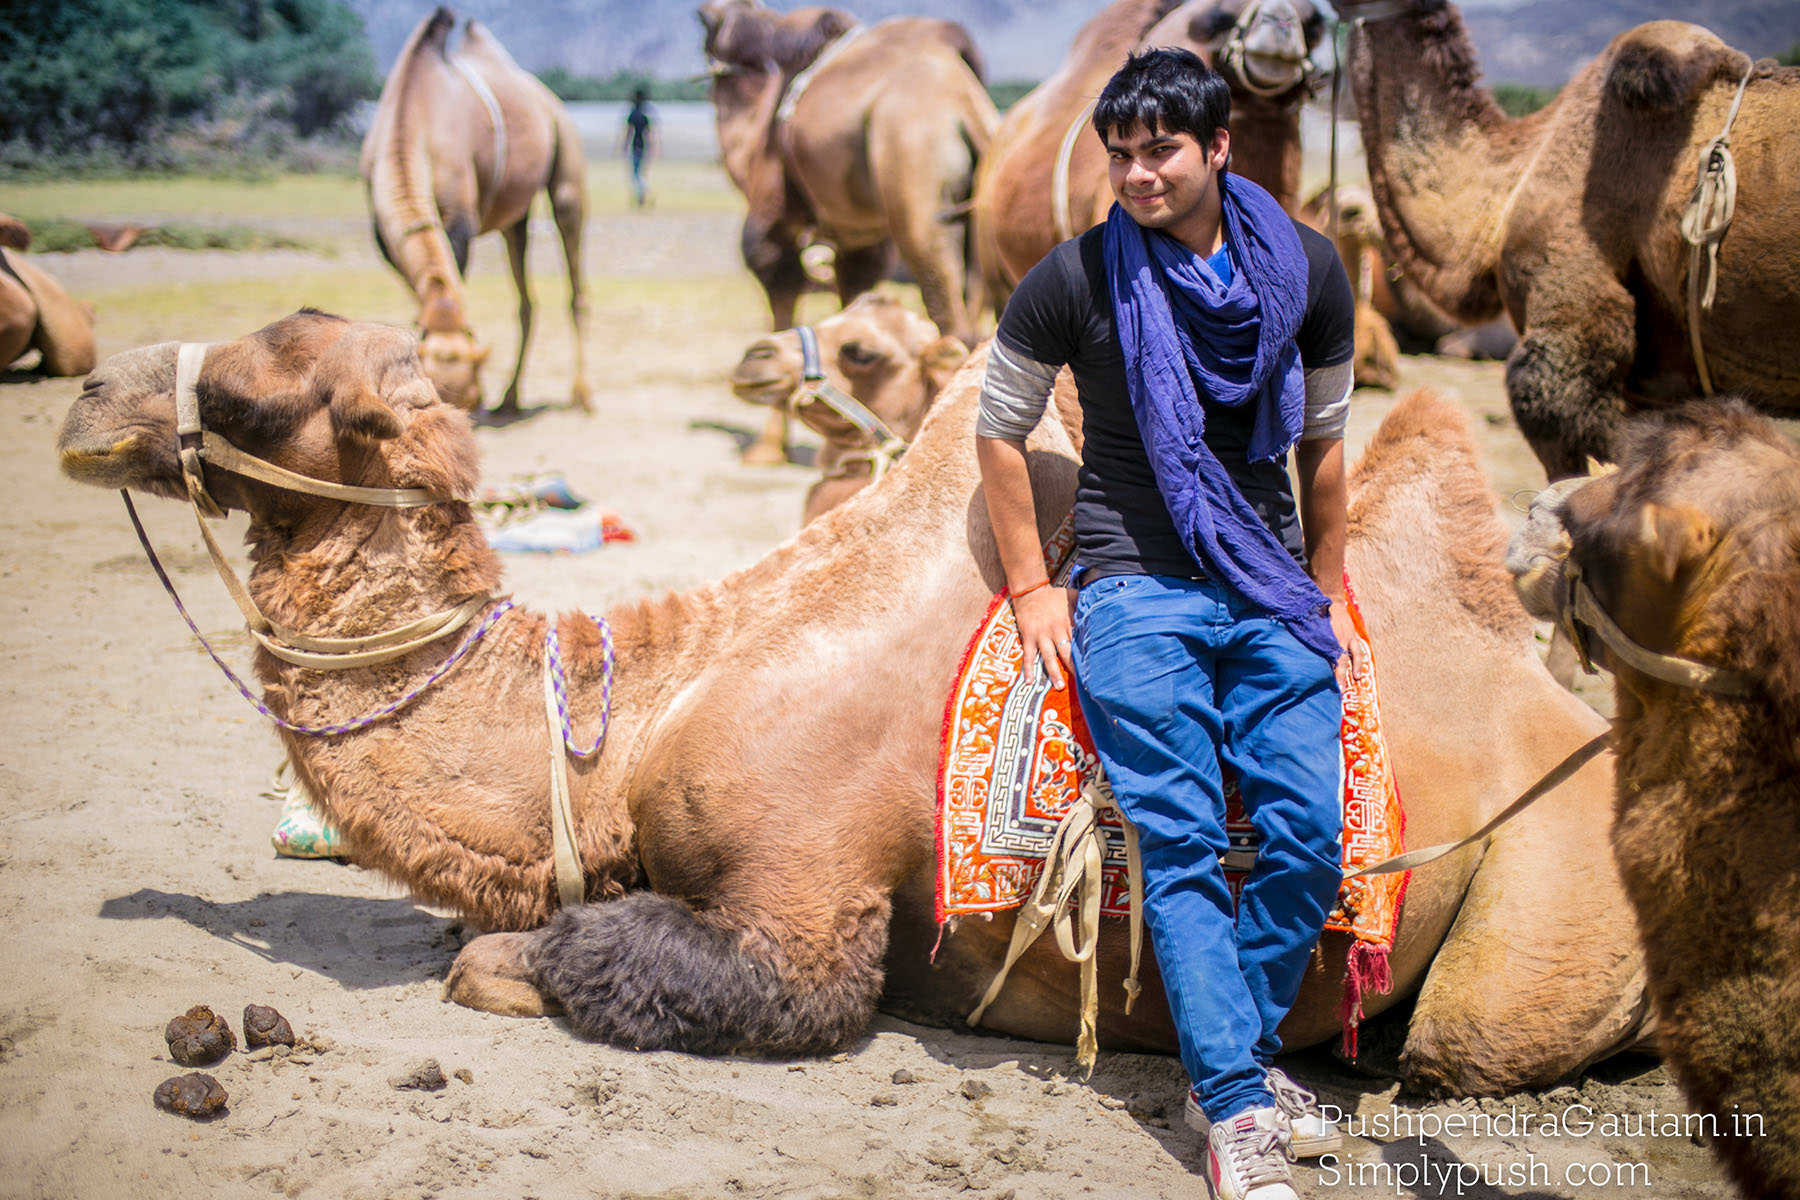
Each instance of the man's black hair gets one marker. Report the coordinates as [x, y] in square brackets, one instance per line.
[1165, 90]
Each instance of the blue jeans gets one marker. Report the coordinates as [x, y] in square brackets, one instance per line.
[1174, 677]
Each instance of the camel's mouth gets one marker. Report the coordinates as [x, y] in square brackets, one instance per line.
[757, 387]
[1273, 72]
[104, 466]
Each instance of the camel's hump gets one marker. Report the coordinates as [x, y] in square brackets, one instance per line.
[1663, 65]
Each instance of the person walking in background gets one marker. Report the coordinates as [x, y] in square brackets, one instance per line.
[637, 140]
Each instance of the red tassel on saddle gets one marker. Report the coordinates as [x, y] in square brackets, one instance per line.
[1366, 971]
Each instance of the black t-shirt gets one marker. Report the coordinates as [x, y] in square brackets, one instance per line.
[1062, 314]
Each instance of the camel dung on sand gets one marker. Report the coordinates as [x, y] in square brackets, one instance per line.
[744, 892]
[1570, 219]
[37, 314]
[1043, 180]
[863, 140]
[1691, 552]
[459, 145]
[889, 360]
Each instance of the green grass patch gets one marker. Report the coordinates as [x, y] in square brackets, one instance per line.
[58, 234]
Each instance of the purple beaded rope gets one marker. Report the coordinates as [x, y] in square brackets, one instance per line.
[561, 687]
[387, 710]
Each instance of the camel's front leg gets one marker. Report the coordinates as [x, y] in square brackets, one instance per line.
[516, 238]
[1565, 378]
[649, 972]
[492, 974]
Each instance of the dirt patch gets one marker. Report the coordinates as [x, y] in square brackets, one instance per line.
[137, 876]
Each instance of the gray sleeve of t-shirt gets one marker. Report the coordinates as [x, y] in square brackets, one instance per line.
[1014, 393]
[1328, 402]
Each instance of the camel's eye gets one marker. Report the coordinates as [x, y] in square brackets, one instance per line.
[856, 354]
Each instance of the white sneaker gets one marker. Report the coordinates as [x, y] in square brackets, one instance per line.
[1309, 1134]
[1245, 1159]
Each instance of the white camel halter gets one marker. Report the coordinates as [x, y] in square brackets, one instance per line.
[200, 446]
[1235, 54]
[885, 446]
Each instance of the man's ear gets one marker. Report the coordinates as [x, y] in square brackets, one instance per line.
[1220, 151]
[481, 354]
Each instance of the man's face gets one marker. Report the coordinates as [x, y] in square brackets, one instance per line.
[1164, 180]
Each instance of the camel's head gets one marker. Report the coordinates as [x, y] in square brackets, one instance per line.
[1359, 224]
[451, 360]
[1263, 47]
[1692, 546]
[888, 357]
[335, 400]
[749, 35]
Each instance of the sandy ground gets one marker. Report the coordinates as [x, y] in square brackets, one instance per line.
[137, 876]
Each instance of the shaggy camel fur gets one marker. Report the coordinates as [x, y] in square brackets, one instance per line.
[459, 145]
[748, 893]
[863, 140]
[35, 313]
[888, 358]
[1568, 219]
[1015, 219]
[1693, 547]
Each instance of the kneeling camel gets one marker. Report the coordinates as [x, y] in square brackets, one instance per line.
[1685, 565]
[753, 844]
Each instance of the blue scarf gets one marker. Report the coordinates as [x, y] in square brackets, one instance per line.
[1178, 326]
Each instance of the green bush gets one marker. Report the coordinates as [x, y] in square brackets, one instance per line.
[1790, 57]
[56, 234]
[88, 80]
[618, 86]
[1007, 92]
[1518, 99]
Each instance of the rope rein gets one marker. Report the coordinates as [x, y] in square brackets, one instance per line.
[1704, 224]
[885, 446]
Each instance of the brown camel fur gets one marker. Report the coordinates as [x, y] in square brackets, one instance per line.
[863, 140]
[1377, 357]
[35, 313]
[1568, 218]
[757, 832]
[1693, 547]
[1015, 222]
[890, 359]
[459, 145]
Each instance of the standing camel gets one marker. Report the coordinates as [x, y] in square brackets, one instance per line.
[750, 863]
[1690, 552]
[1044, 179]
[461, 144]
[862, 139]
[1570, 218]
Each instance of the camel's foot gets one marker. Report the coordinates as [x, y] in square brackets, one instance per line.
[582, 398]
[765, 454]
[490, 974]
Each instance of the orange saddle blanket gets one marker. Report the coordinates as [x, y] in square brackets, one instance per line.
[1016, 753]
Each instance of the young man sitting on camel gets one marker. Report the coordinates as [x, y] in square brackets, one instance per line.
[1208, 333]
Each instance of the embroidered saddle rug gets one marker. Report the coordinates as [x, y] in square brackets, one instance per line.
[1016, 755]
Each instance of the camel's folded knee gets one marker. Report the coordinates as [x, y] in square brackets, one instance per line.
[648, 972]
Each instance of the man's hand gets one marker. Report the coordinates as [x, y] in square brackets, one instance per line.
[1354, 661]
[1045, 627]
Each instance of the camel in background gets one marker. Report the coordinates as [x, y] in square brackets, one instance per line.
[861, 139]
[1044, 179]
[460, 144]
[755, 839]
[1377, 357]
[36, 314]
[1568, 219]
[1691, 549]
[888, 359]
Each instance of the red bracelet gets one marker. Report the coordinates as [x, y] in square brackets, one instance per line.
[1044, 583]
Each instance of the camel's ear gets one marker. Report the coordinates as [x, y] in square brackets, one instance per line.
[1671, 537]
[360, 413]
[941, 360]
[481, 354]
